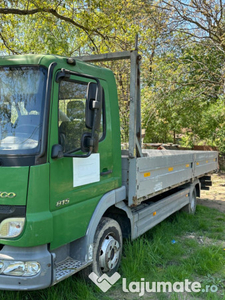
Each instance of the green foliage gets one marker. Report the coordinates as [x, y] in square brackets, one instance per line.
[182, 49]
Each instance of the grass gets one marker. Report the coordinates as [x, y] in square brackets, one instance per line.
[182, 247]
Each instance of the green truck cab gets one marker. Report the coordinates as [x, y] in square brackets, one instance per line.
[66, 196]
[47, 199]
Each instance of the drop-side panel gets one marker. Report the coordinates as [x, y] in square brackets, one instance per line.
[205, 162]
[159, 171]
[156, 173]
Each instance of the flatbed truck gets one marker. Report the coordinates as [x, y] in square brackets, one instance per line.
[68, 194]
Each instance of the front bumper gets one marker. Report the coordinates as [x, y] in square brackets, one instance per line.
[40, 281]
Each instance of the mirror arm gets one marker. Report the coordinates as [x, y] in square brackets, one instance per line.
[67, 73]
[62, 74]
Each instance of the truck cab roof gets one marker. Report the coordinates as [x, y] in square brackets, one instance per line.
[47, 59]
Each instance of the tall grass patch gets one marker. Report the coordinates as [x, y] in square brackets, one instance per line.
[181, 247]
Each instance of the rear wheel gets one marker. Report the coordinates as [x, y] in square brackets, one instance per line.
[191, 206]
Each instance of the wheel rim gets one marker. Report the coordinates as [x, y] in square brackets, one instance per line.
[109, 254]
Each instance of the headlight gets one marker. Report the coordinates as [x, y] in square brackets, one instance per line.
[19, 268]
[11, 227]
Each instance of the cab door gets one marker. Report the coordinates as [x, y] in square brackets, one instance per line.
[76, 184]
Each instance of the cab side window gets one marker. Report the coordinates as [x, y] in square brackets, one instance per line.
[71, 115]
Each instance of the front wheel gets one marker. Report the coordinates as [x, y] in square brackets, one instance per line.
[108, 244]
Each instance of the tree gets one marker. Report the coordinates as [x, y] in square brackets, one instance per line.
[181, 42]
[47, 15]
[187, 74]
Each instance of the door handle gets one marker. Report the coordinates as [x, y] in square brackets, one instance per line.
[106, 172]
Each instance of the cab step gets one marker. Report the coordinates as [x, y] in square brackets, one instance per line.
[66, 268]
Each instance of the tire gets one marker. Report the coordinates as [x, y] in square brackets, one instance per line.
[190, 208]
[107, 250]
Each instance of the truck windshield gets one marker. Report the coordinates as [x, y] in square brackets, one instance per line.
[22, 93]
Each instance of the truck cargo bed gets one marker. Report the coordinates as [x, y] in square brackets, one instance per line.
[160, 170]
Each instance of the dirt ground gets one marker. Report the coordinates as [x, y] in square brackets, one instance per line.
[215, 197]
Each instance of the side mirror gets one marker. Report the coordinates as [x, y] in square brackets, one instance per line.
[57, 151]
[93, 105]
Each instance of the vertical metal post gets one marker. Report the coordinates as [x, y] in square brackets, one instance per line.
[133, 104]
[135, 107]
[138, 122]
